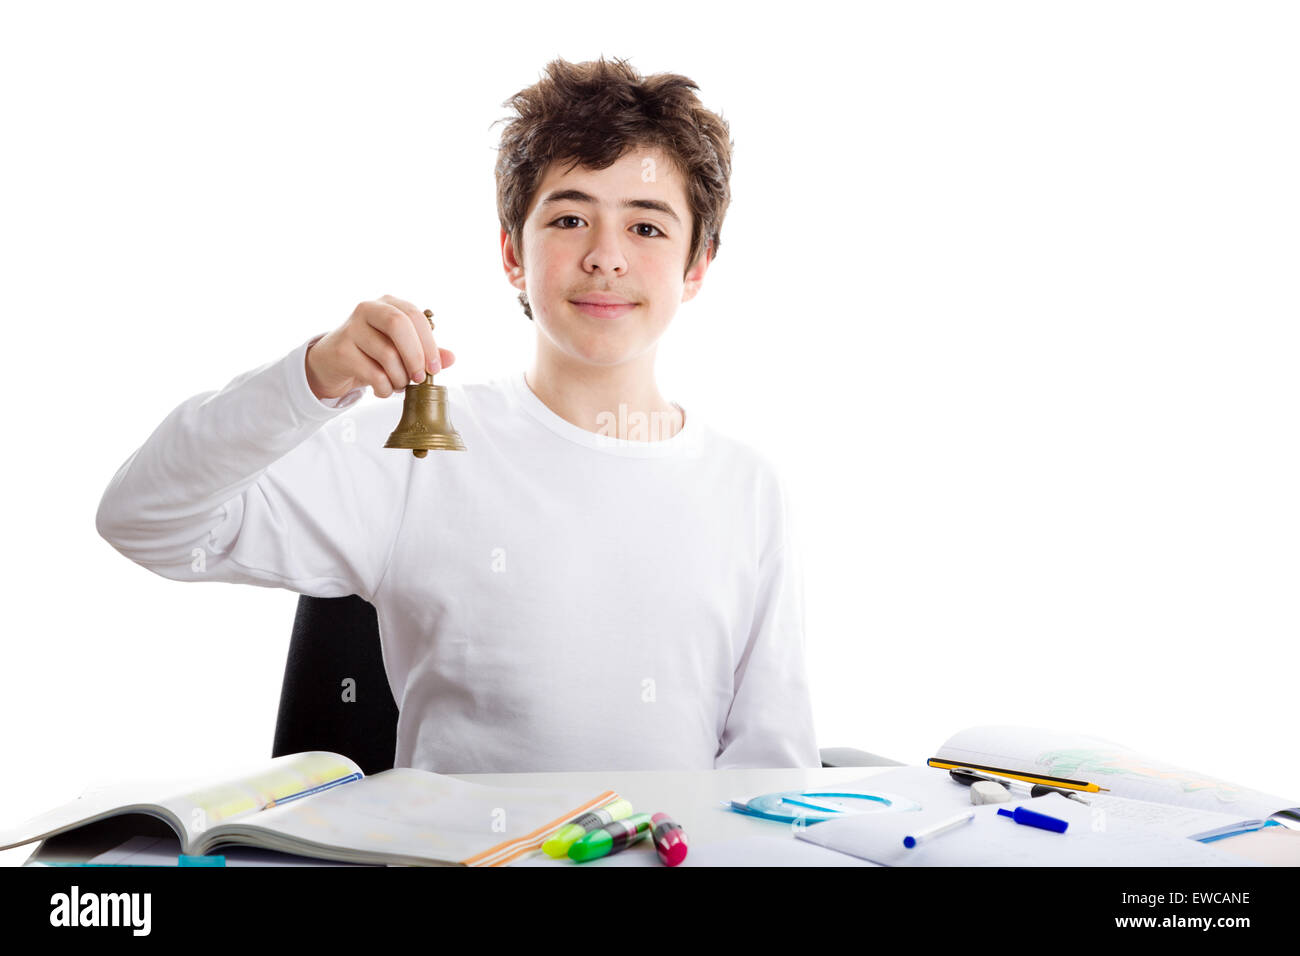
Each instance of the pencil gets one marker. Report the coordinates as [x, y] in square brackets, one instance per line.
[942, 764]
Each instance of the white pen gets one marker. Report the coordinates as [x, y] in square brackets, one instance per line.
[934, 831]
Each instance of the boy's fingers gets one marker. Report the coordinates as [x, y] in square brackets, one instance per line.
[416, 364]
[402, 304]
[399, 328]
[432, 358]
[432, 363]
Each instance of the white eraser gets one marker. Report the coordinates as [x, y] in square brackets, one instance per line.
[988, 791]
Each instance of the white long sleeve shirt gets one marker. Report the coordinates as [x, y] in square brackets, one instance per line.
[549, 599]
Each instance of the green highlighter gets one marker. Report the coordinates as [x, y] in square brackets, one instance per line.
[573, 831]
[611, 838]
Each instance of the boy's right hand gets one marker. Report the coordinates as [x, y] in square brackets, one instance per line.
[386, 343]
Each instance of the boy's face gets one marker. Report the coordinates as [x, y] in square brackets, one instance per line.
[618, 235]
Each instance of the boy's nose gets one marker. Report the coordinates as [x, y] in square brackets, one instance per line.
[605, 255]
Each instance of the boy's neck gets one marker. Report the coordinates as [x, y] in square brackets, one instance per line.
[589, 396]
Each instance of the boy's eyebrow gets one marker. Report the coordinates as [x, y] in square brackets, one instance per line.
[577, 195]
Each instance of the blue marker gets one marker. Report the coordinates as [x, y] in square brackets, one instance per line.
[1031, 819]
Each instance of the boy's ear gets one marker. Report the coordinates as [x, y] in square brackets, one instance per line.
[695, 275]
[511, 262]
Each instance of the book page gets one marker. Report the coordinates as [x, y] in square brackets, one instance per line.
[1121, 771]
[197, 807]
[271, 783]
[157, 851]
[417, 817]
[94, 805]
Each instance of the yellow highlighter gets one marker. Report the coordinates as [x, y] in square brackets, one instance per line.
[573, 831]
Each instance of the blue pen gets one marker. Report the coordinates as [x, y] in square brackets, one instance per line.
[952, 823]
[1031, 819]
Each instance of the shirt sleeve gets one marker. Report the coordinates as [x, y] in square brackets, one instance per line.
[260, 483]
[770, 723]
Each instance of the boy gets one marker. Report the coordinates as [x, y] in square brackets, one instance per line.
[557, 597]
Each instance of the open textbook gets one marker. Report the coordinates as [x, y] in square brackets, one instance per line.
[321, 805]
[1120, 771]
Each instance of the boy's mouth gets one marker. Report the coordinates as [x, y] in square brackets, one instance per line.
[603, 306]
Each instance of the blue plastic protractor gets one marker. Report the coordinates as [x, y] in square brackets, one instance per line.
[817, 806]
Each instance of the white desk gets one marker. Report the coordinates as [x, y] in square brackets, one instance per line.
[693, 798]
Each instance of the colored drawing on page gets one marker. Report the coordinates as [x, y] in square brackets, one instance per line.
[1095, 765]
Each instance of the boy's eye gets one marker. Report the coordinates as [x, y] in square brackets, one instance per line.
[654, 233]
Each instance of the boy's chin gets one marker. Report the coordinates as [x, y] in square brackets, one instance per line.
[593, 346]
[598, 354]
[601, 358]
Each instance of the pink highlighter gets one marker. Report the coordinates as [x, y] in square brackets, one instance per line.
[669, 839]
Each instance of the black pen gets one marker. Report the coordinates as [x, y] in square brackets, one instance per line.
[965, 775]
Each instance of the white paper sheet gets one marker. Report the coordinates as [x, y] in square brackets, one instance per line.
[993, 840]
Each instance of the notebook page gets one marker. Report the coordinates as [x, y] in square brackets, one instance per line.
[993, 840]
[935, 789]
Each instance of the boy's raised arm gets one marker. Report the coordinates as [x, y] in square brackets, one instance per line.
[246, 485]
[255, 484]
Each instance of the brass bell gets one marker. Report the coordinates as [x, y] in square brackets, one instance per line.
[425, 425]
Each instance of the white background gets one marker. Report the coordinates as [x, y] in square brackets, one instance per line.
[1007, 290]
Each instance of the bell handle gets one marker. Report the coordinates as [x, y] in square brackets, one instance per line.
[428, 376]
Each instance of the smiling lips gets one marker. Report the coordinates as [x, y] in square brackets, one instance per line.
[603, 306]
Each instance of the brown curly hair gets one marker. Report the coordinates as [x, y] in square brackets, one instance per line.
[590, 114]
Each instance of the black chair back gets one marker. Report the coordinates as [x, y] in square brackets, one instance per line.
[335, 695]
